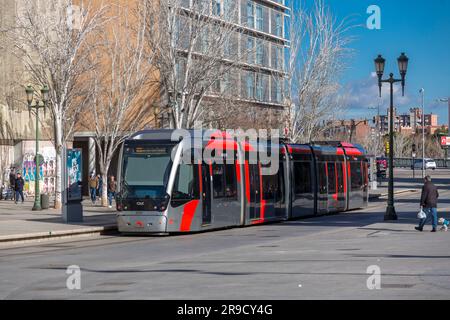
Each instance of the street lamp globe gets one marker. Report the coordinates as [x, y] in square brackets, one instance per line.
[402, 64]
[379, 68]
[44, 93]
[30, 94]
[379, 65]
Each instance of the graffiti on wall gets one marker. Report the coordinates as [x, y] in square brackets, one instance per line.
[47, 170]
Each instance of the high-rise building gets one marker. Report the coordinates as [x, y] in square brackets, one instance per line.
[262, 37]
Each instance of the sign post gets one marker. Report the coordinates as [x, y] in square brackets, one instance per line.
[72, 210]
[414, 160]
[445, 144]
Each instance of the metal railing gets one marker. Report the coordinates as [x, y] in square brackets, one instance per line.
[408, 162]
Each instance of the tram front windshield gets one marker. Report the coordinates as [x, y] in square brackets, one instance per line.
[146, 172]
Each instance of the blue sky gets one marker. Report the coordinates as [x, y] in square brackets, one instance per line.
[419, 28]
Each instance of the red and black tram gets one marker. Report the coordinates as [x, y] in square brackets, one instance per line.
[167, 186]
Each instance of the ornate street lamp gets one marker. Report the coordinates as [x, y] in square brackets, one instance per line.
[379, 68]
[37, 104]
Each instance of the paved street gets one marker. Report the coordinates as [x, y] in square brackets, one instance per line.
[318, 258]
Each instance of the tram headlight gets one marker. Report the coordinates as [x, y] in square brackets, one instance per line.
[164, 202]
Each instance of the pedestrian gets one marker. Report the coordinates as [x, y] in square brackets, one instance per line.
[19, 183]
[428, 202]
[112, 186]
[12, 183]
[93, 186]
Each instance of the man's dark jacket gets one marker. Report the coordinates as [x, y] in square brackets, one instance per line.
[19, 184]
[429, 196]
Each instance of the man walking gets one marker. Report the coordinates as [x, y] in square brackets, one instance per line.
[93, 186]
[19, 183]
[112, 186]
[428, 201]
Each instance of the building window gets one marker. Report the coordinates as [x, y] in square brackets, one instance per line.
[250, 50]
[259, 18]
[276, 90]
[277, 23]
[230, 10]
[277, 57]
[250, 14]
[259, 88]
[250, 85]
[260, 53]
[216, 7]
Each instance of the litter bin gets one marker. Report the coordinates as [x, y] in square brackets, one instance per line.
[45, 199]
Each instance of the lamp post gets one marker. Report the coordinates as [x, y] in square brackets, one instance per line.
[414, 159]
[36, 104]
[448, 128]
[379, 67]
[422, 91]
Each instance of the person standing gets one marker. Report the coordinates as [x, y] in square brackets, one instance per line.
[12, 183]
[428, 201]
[93, 186]
[112, 186]
[19, 184]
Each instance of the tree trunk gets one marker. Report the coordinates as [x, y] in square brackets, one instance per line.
[105, 188]
[58, 180]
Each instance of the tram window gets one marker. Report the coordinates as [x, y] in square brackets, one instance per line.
[224, 181]
[356, 174]
[322, 178]
[185, 187]
[302, 177]
[331, 177]
[230, 181]
[271, 187]
[218, 181]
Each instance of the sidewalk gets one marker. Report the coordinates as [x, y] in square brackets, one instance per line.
[19, 223]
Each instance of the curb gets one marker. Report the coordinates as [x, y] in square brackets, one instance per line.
[58, 234]
[380, 195]
[400, 192]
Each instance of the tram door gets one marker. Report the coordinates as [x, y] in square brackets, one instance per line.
[322, 188]
[255, 197]
[206, 194]
[340, 184]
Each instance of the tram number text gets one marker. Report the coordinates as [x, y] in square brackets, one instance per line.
[246, 309]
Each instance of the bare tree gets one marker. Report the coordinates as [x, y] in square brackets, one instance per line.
[122, 82]
[402, 145]
[53, 48]
[196, 45]
[318, 49]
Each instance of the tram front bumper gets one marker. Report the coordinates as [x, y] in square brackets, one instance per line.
[141, 223]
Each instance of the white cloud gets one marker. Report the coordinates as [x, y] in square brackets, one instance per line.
[364, 93]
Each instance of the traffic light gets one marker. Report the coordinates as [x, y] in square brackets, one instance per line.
[414, 147]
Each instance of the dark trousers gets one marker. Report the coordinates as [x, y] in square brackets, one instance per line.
[19, 193]
[111, 196]
[431, 215]
[93, 194]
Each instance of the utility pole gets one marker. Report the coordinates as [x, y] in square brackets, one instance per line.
[422, 91]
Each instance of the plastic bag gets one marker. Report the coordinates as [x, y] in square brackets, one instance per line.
[421, 214]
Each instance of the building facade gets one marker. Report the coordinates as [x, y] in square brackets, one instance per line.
[262, 38]
[409, 123]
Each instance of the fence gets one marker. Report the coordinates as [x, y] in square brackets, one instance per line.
[408, 162]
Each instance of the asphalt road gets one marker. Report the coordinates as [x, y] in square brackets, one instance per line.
[318, 258]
